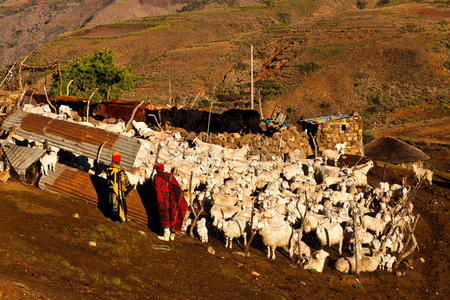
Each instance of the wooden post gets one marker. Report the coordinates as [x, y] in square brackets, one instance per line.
[19, 73]
[251, 77]
[48, 100]
[355, 234]
[260, 105]
[19, 100]
[128, 126]
[209, 121]
[107, 93]
[313, 137]
[89, 103]
[252, 231]
[60, 80]
[68, 87]
[170, 92]
[31, 97]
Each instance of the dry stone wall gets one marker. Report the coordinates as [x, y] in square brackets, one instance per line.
[339, 131]
[281, 143]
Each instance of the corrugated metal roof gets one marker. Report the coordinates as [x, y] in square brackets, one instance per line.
[21, 157]
[74, 137]
[325, 119]
[78, 184]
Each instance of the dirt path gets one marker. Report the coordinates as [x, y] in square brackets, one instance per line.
[45, 249]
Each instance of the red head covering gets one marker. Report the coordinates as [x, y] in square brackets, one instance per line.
[159, 168]
[116, 157]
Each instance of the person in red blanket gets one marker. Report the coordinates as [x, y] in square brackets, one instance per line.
[171, 203]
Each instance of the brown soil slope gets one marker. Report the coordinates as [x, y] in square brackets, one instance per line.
[45, 251]
[311, 57]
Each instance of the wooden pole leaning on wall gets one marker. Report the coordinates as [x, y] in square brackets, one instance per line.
[251, 77]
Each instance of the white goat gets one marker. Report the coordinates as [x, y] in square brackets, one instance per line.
[232, 229]
[317, 262]
[202, 231]
[332, 154]
[49, 160]
[373, 224]
[276, 232]
[331, 234]
[366, 263]
[423, 173]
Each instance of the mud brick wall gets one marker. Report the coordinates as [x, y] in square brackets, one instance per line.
[339, 131]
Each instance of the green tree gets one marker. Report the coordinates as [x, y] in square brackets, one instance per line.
[91, 72]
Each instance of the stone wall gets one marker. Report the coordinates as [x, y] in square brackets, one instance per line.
[339, 131]
[281, 143]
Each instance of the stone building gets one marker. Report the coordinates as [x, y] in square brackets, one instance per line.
[335, 129]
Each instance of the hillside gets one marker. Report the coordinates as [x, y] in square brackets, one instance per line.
[312, 57]
[45, 254]
[28, 24]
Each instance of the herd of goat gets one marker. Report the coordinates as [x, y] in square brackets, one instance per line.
[301, 205]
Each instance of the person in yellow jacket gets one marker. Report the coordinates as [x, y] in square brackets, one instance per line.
[119, 186]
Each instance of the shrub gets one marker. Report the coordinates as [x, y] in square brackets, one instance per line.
[240, 66]
[269, 87]
[96, 71]
[367, 137]
[310, 67]
[324, 105]
[268, 3]
[361, 4]
[412, 28]
[383, 2]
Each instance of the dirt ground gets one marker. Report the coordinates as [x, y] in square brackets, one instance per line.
[45, 253]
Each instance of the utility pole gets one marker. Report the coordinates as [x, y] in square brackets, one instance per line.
[251, 79]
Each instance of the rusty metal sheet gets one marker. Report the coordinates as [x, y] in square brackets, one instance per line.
[74, 137]
[92, 189]
[21, 157]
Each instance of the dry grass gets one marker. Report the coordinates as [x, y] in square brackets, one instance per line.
[373, 60]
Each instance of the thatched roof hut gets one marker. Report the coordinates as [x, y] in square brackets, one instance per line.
[392, 150]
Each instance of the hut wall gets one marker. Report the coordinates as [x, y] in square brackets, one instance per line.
[339, 131]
